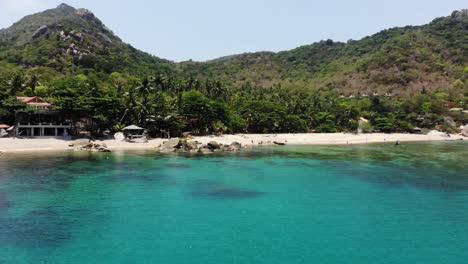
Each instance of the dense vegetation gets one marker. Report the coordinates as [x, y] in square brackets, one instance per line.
[398, 79]
[398, 60]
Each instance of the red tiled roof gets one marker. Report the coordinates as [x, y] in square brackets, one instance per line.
[33, 100]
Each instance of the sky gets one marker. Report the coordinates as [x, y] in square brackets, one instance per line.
[201, 30]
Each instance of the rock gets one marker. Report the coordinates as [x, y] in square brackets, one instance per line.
[464, 131]
[119, 136]
[105, 38]
[450, 122]
[190, 145]
[204, 149]
[85, 13]
[40, 31]
[187, 135]
[76, 35]
[166, 150]
[235, 146]
[88, 146]
[171, 143]
[106, 29]
[279, 143]
[212, 145]
[460, 14]
[436, 133]
[102, 149]
[180, 150]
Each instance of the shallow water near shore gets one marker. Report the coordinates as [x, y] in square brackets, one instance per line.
[375, 203]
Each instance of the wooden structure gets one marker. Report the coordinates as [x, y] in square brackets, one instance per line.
[42, 122]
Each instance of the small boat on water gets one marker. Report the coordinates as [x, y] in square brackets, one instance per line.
[279, 143]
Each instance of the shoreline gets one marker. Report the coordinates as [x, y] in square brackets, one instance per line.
[16, 145]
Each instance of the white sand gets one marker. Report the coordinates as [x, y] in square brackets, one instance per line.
[51, 144]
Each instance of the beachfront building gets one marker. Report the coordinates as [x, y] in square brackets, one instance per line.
[40, 120]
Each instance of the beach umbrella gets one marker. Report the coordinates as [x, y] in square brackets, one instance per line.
[133, 127]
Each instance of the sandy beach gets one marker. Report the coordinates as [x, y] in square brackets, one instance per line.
[9, 145]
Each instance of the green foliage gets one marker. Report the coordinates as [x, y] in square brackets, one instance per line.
[326, 86]
[366, 127]
[326, 122]
[384, 124]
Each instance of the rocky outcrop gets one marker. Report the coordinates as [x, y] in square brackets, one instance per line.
[464, 131]
[72, 50]
[460, 14]
[213, 145]
[235, 146]
[438, 133]
[90, 146]
[450, 122]
[77, 36]
[105, 38]
[171, 143]
[42, 30]
[192, 146]
[85, 13]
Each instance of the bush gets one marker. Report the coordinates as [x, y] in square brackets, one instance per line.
[366, 127]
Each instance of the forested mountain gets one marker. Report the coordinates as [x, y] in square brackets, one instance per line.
[397, 60]
[67, 40]
[398, 79]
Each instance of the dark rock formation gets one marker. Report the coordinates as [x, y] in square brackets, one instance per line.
[213, 145]
[178, 145]
[40, 31]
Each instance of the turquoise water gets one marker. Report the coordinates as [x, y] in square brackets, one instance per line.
[330, 204]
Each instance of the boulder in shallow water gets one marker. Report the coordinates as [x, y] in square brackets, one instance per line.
[235, 146]
[103, 149]
[212, 145]
[171, 143]
[204, 150]
[191, 145]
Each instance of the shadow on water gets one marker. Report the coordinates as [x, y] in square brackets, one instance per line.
[178, 166]
[4, 202]
[425, 165]
[147, 176]
[218, 190]
[41, 228]
[431, 180]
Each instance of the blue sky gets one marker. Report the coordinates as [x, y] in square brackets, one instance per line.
[206, 29]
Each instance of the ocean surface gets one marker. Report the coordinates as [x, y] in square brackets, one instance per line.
[376, 203]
